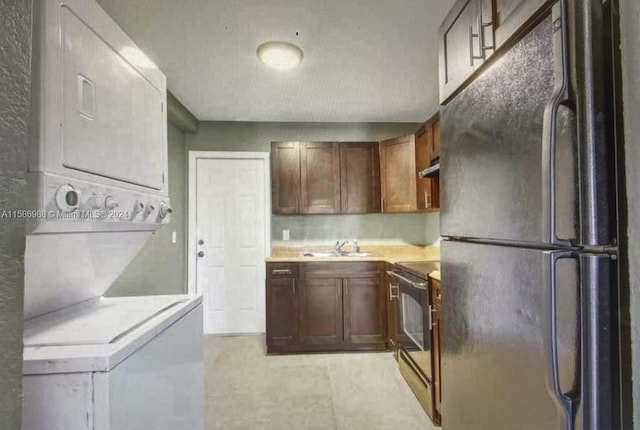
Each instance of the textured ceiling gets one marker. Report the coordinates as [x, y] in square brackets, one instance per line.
[364, 60]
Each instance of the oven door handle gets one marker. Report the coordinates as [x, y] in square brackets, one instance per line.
[418, 285]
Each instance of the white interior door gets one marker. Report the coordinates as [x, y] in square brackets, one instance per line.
[230, 243]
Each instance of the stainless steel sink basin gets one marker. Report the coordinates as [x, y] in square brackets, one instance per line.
[336, 254]
[320, 254]
[359, 254]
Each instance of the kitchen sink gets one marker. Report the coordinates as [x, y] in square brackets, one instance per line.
[337, 254]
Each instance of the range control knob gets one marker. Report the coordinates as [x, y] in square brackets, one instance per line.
[138, 207]
[110, 203]
[67, 198]
[164, 210]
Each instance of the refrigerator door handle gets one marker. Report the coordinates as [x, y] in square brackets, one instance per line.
[564, 403]
[559, 98]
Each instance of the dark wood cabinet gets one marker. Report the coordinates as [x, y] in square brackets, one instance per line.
[282, 306]
[360, 177]
[364, 311]
[325, 307]
[325, 177]
[436, 342]
[391, 298]
[460, 46]
[319, 178]
[321, 311]
[512, 16]
[285, 177]
[427, 153]
[398, 174]
[475, 30]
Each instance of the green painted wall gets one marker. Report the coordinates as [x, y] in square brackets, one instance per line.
[630, 32]
[257, 136]
[160, 266]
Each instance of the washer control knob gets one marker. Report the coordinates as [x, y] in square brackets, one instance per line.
[148, 209]
[110, 203]
[138, 207]
[67, 198]
[164, 210]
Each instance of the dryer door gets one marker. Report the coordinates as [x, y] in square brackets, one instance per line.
[113, 120]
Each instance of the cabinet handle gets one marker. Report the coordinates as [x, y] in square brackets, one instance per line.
[391, 288]
[293, 285]
[472, 55]
[430, 318]
[281, 272]
[382, 205]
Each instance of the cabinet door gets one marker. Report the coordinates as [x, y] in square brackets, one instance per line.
[399, 174]
[511, 16]
[285, 177]
[423, 160]
[321, 311]
[360, 177]
[435, 344]
[282, 315]
[364, 311]
[435, 136]
[461, 52]
[319, 177]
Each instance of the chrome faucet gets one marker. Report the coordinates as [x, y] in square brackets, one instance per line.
[338, 247]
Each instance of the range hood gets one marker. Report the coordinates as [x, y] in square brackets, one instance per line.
[430, 172]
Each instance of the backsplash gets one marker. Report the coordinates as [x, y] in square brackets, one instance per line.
[412, 228]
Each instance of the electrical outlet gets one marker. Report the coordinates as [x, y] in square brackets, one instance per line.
[174, 237]
[285, 234]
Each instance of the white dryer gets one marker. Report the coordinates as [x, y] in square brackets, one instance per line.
[97, 192]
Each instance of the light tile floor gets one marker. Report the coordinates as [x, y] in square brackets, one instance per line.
[246, 389]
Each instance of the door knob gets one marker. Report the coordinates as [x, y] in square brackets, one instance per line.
[200, 242]
[201, 254]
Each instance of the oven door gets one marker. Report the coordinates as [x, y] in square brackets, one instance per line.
[414, 337]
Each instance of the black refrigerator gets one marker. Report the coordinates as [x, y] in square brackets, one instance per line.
[528, 218]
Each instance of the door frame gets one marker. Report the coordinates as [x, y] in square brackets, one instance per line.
[194, 156]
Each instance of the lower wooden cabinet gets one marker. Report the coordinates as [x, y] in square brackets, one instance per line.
[321, 312]
[326, 307]
[364, 311]
[282, 306]
[436, 341]
[391, 298]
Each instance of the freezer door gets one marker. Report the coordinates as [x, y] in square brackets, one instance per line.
[496, 335]
[494, 181]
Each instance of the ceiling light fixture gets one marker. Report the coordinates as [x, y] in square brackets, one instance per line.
[280, 55]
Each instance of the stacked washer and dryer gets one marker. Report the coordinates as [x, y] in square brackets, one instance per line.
[97, 192]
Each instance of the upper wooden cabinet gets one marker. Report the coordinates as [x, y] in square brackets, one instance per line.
[512, 15]
[427, 153]
[461, 45]
[285, 177]
[319, 178]
[360, 177]
[474, 30]
[399, 174]
[332, 177]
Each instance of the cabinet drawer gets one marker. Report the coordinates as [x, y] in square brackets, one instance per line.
[282, 270]
[365, 269]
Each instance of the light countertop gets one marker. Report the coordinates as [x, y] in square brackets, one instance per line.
[387, 253]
